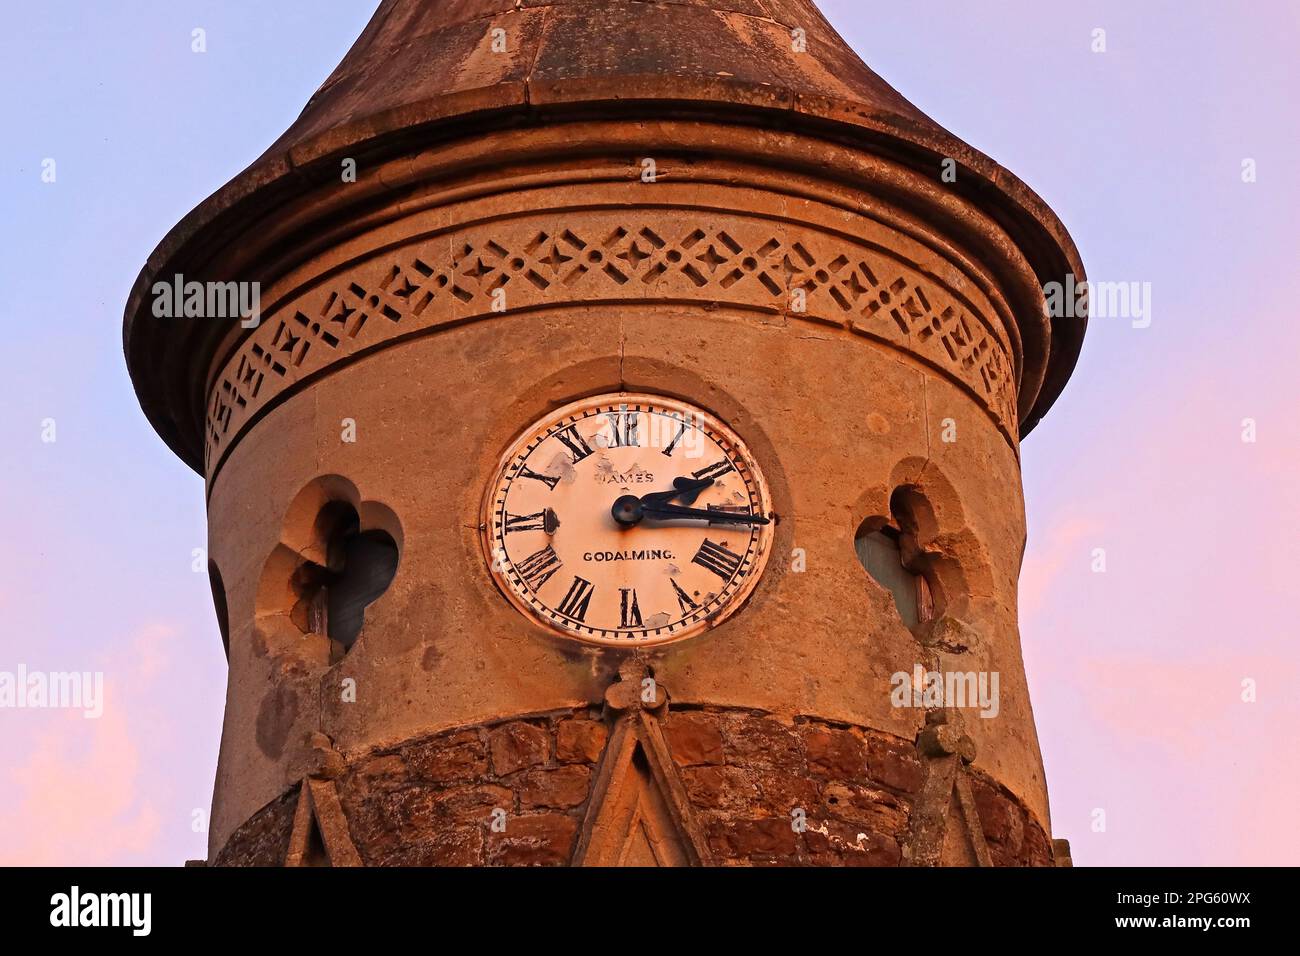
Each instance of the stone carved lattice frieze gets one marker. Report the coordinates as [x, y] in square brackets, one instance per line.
[667, 257]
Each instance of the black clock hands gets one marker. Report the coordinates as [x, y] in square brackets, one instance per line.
[666, 512]
[687, 489]
[629, 510]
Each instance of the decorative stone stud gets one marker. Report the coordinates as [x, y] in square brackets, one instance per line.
[636, 689]
[940, 738]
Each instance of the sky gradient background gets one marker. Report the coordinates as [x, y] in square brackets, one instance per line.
[1135, 673]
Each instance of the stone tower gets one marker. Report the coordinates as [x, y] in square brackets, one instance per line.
[506, 245]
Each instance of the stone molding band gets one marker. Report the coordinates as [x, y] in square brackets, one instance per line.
[589, 256]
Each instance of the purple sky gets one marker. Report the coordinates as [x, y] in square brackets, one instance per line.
[1136, 673]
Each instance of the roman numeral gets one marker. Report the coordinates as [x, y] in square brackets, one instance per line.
[717, 559]
[715, 471]
[536, 569]
[629, 613]
[578, 448]
[683, 599]
[676, 438]
[624, 427]
[575, 602]
[535, 522]
[548, 480]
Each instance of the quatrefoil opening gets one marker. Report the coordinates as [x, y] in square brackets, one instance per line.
[337, 556]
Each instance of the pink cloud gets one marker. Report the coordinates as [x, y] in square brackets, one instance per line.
[1067, 548]
[88, 791]
[77, 795]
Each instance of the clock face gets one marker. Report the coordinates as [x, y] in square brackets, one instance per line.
[627, 520]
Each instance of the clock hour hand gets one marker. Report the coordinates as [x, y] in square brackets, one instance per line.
[686, 488]
[665, 512]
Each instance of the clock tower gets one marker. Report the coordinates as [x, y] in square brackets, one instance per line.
[610, 414]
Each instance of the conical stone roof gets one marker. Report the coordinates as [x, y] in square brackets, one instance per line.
[437, 69]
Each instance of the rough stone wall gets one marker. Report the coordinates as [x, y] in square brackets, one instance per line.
[430, 801]
[264, 839]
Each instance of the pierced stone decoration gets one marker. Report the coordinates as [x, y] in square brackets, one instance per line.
[673, 259]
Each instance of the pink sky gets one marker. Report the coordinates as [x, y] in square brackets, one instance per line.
[1135, 673]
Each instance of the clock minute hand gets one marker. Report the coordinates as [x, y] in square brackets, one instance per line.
[653, 510]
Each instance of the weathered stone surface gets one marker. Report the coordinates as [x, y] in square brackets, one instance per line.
[834, 753]
[461, 846]
[1036, 849]
[384, 772]
[542, 839]
[264, 840]
[843, 847]
[950, 635]
[517, 745]
[562, 788]
[414, 810]
[771, 838]
[580, 741]
[1001, 820]
[786, 788]
[320, 759]
[397, 817]
[474, 804]
[445, 760]
[894, 764]
[383, 822]
[694, 739]
[1061, 855]
[870, 809]
[719, 788]
[761, 741]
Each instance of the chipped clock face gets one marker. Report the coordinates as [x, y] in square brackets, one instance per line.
[627, 520]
